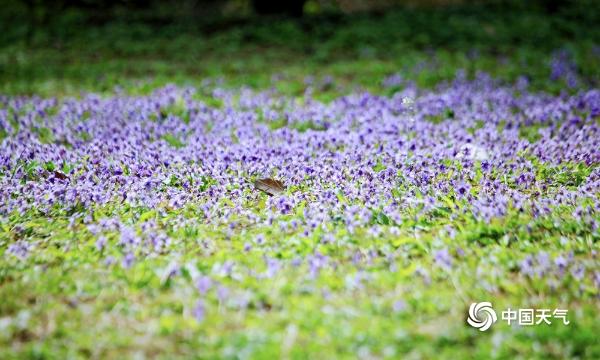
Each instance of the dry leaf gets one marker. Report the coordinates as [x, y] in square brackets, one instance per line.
[270, 186]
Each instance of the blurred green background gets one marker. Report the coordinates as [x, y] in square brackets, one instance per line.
[69, 46]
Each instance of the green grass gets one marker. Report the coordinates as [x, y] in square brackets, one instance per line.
[65, 302]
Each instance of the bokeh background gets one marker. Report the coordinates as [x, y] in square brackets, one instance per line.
[69, 46]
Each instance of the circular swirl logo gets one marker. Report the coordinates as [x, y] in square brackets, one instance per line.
[481, 315]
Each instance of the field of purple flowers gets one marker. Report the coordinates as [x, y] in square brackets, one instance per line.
[131, 226]
[176, 183]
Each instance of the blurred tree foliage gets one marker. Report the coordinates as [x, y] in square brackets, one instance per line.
[49, 46]
[24, 20]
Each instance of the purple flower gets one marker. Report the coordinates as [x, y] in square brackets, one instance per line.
[199, 311]
[399, 306]
[596, 279]
[443, 259]
[222, 293]
[128, 237]
[128, 260]
[203, 284]
[527, 266]
[172, 270]
[101, 243]
[273, 267]
[561, 262]
[20, 249]
[578, 272]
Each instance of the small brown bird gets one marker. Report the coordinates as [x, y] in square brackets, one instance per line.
[59, 175]
[270, 186]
